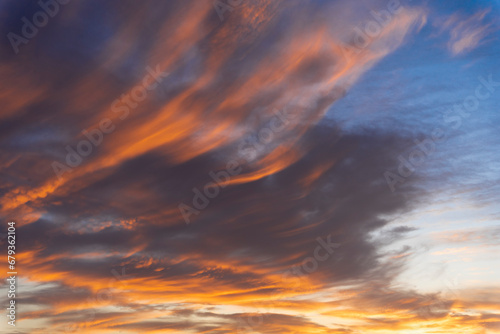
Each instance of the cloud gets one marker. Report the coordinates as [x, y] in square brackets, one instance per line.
[466, 33]
[105, 247]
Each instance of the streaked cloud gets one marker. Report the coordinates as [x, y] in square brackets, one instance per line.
[105, 248]
[467, 33]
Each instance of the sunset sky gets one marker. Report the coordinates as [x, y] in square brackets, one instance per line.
[251, 166]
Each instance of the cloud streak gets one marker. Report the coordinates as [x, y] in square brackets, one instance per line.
[104, 247]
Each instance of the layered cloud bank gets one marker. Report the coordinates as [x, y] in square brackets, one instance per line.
[212, 167]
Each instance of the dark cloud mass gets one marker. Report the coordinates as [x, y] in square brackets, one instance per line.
[233, 176]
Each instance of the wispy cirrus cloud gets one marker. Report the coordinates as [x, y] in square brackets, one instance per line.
[466, 33]
[118, 211]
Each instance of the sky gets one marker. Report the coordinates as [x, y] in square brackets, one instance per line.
[251, 166]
